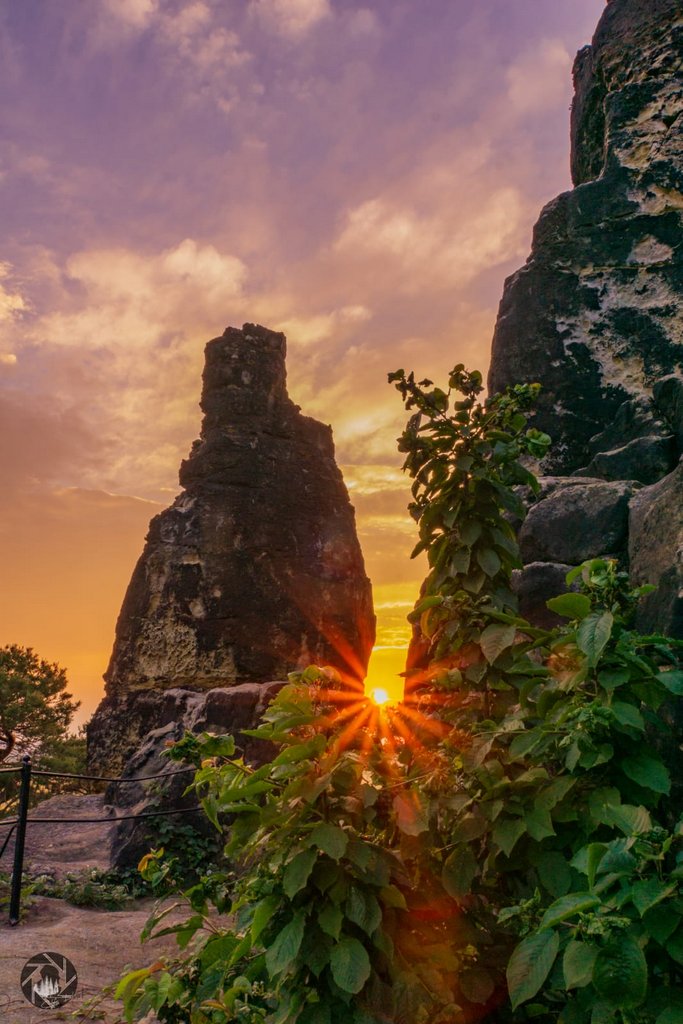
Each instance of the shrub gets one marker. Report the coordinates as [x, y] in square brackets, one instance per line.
[500, 845]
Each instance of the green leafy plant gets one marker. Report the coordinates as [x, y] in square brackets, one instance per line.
[500, 846]
[109, 890]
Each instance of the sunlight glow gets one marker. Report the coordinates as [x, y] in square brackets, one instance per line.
[380, 696]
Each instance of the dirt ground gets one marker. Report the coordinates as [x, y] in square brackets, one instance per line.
[99, 943]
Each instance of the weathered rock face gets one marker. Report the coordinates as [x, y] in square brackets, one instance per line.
[167, 717]
[595, 317]
[594, 314]
[255, 569]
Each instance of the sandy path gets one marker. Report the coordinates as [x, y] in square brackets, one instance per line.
[99, 943]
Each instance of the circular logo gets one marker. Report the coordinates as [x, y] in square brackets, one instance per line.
[48, 980]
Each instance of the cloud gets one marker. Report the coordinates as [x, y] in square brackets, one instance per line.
[12, 304]
[540, 78]
[134, 14]
[291, 18]
[436, 249]
[122, 337]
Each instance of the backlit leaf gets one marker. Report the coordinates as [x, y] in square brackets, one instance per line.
[495, 639]
[570, 606]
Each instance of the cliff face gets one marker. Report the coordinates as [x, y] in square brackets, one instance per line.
[253, 571]
[594, 315]
[256, 568]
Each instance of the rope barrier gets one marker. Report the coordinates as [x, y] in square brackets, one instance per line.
[104, 778]
[95, 821]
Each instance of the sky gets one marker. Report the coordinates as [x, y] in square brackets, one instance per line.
[360, 174]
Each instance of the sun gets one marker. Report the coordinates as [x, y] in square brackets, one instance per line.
[380, 695]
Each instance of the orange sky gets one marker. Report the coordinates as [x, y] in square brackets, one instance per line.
[359, 175]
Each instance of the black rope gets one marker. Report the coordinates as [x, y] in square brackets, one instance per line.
[94, 821]
[104, 778]
[7, 839]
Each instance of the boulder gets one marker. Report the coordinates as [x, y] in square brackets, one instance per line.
[536, 584]
[645, 459]
[577, 522]
[656, 553]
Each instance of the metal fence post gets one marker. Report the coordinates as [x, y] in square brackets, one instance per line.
[18, 870]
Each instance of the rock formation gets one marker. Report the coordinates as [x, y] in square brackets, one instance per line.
[254, 570]
[595, 314]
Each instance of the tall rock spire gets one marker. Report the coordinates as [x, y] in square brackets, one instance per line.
[256, 568]
[594, 315]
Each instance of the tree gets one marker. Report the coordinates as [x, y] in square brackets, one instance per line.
[35, 708]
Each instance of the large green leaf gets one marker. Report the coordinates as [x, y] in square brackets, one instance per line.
[578, 963]
[489, 561]
[331, 839]
[411, 812]
[593, 634]
[647, 771]
[568, 906]
[495, 639]
[263, 912]
[507, 832]
[298, 872]
[539, 823]
[674, 946]
[530, 965]
[458, 872]
[330, 919]
[287, 943]
[648, 893]
[554, 873]
[662, 922]
[673, 681]
[350, 965]
[570, 606]
[628, 714]
[620, 972]
[363, 909]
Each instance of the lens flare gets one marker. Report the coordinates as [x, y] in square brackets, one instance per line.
[380, 695]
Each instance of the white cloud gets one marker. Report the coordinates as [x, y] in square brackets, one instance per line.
[8, 359]
[322, 326]
[540, 79]
[291, 18]
[437, 249]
